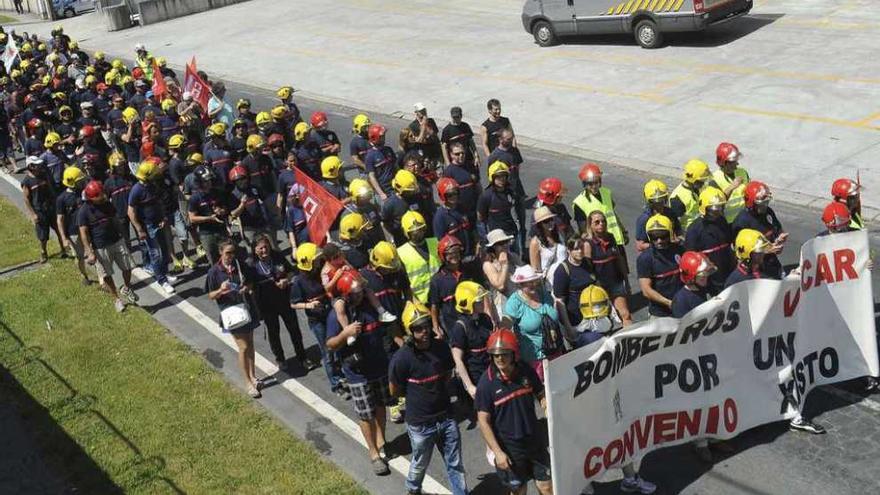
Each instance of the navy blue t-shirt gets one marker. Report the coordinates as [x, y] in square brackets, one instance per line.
[767, 224]
[389, 288]
[99, 220]
[117, 188]
[304, 289]
[568, 282]
[369, 344]
[742, 273]
[145, 201]
[66, 204]
[202, 204]
[470, 334]
[456, 224]
[383, 163]
[469, 188]
[662, 268]
[685, 300]
[495, 208]
[715, 240]
[295, 222]
[441, 293]
[510, 403]
[254, 213]
[423, 375]
[358, 147]
[642, 221]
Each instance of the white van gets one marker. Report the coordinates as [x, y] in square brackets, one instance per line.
[550, 20]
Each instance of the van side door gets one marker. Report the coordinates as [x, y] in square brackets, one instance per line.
[561, 15]
[598, 16]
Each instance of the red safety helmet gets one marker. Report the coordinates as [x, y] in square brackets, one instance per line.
[590, 172]
[348, 282]
[446, 243]
[836, 215]
[445, 186]
[693, 264]
[101, 87]
[375, 133]
[237, 172]
[727, 152]
[137, 73]
[86, 132]
[501, 341]
[844, 188]
[318, 119]
[34, 123]
[550, 190]
[93, 190]
[756, 191]
[275, 139]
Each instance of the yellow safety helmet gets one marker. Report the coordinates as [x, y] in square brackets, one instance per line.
[711, 196]
[695, 171]
[24, 64]
[73, 45]
[306, 254]
[594, 302]
[279, 112]
[145, 171]
[117, 64]
[330, 167]
[15, 74]
[168, 104]
[359, 123]
[360, 188]
[110, 77]
[71, 176]
[52, 139]
[412, 221]
[415, 313]
[90, 70]
[129, 115]
[41, 47]
[656, 191]
[498, 167]
[58, 29]
[404, 181]
[658, 223]
[217, 129]
[263, 118]
[60, 70]
[126, 80]
[300, 131]
[46, 79]
[176, 141]
[468, 293]
[52, 57]
[116, 159]
[750, 241]
[162, 61]
[91, 80]
[352, 226]
[195, 159]
[99, 55]
[284, 92]
[384, 255]
[26, 48]
[254, 143]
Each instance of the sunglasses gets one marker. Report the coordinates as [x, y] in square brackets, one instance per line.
[459, 153]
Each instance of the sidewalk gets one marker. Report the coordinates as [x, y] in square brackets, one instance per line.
[790, 83]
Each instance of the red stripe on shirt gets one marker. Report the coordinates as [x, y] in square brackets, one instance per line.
[513, 395]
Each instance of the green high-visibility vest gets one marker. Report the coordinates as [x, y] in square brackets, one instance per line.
[605, 204]
[691, 202]
[418, 269]
[736, 200]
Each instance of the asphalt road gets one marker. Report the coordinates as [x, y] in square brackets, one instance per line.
[768, 460]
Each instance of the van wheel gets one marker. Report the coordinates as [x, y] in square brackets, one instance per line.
[647, 35]
[544, 34]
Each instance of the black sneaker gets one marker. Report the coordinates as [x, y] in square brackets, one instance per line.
[803, 424]
[342, 393]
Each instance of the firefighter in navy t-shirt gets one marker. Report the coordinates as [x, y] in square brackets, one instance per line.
[657, 266]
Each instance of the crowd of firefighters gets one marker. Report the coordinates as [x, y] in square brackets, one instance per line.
[427, 306]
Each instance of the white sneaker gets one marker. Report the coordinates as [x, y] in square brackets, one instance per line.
[168, 288]
[119, 305]
[637, 484]
[171, 279]
[386, 317]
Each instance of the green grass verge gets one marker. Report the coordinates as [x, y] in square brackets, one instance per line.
[19, 242]
[5, 19]
[144, 413]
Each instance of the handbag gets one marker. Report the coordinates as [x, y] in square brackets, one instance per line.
[551, 336]
[237, 315]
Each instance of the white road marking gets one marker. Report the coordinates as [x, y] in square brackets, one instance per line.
[300, 391]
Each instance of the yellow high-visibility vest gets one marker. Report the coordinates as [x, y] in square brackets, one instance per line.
[605, 204]
[691, 202]
[419, 270]
[736, 200]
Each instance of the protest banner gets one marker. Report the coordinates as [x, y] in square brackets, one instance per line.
[196, 86]
[321, 207]
[9, 54]
[742, 359]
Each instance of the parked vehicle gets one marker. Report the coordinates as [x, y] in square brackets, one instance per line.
[647, 20]
[70, 8]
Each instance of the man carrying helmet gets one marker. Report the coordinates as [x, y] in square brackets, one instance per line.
[148, 219]
[469, 333]
[848, 193]
[597, 197]
[360, 345]
[207, 211]
[404, 198]
[421, 372]
[260, 169]
[360, 144]
[66, 206]
[332, 179]
[710, 234]
[730, 178]
[657, 267]
[39, 200]
[325, 138]
[308, 153]
[380, 162]
[656, 202]
[505, 399]
[103, 243]
[418, 254]
[360, 200]
[685, 200]
[758, 215]
[495, 203]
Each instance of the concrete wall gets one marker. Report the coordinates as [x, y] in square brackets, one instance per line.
[153, 11]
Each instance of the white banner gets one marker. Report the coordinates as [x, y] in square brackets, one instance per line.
[9, 53]
[745, 358]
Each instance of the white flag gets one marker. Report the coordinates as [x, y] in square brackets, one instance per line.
[9, 54]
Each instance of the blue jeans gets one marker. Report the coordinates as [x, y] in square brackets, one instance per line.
[153, 248]
[446, 436]
[328, 358]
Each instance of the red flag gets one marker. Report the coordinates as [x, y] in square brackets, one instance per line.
[196, 86]
[159, 88]
[321, 207]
